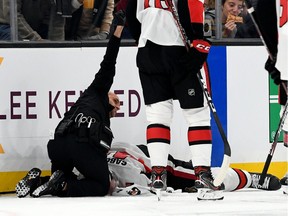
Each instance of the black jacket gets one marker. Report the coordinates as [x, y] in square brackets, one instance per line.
[94, 101]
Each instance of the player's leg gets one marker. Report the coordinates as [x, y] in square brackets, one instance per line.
[200, 142]
[197, 114]
[61, 164]
[159, 116]
[154, 71]
[235, 179]
[282, 101]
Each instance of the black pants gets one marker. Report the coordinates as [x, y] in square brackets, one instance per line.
[67, 152]
[164, 77]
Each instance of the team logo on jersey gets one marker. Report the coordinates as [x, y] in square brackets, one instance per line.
[191, 92]
[156, 4]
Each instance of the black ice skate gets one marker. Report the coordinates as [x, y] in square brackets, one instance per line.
[29, 183]
[206, 189]
[271, 182]
[159, 179]
[54, 186]
[284, 183]
[284, 180]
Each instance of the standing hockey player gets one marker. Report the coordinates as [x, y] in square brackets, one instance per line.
[282, 64]
[273, 25]
[168, 72]
[271, 18]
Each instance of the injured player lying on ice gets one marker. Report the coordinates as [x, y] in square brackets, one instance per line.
[131, 166]
[130, 170]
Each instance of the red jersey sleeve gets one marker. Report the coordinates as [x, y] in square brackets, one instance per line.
[196, 10]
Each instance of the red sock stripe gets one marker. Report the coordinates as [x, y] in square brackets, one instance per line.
[199, 135]
[242, 179]
[158, 132]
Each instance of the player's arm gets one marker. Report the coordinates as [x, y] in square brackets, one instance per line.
[104, 78]
[191, 14]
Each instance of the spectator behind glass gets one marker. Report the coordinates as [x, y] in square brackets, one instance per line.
[209, 23]
[231, 17]
[248, 29]
[86, 24]
[37, 20]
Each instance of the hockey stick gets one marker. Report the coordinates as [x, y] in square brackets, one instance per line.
[253, 16]
[273, 146]
[227, 151]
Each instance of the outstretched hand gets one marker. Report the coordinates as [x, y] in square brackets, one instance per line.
[273, 71]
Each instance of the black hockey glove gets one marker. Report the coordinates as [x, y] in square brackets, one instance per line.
[197, 55]
[120, 18]
[273, 71]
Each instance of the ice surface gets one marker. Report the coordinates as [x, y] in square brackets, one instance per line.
[242, 202]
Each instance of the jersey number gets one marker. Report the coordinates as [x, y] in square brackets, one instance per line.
[161, 4]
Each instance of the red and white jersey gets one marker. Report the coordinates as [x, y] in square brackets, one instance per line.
[129, 164]
[158, 24]
[282, 63]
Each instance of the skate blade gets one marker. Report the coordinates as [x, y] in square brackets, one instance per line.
[158, 194]
[208, 194]
[284, 189]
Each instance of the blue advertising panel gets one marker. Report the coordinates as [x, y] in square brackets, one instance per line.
[218, 76]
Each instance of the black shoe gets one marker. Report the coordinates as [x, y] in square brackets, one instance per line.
[29, 183]
[159, 177]
[205, 179]
[271, 182]
[284, 180]
[54, 186]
